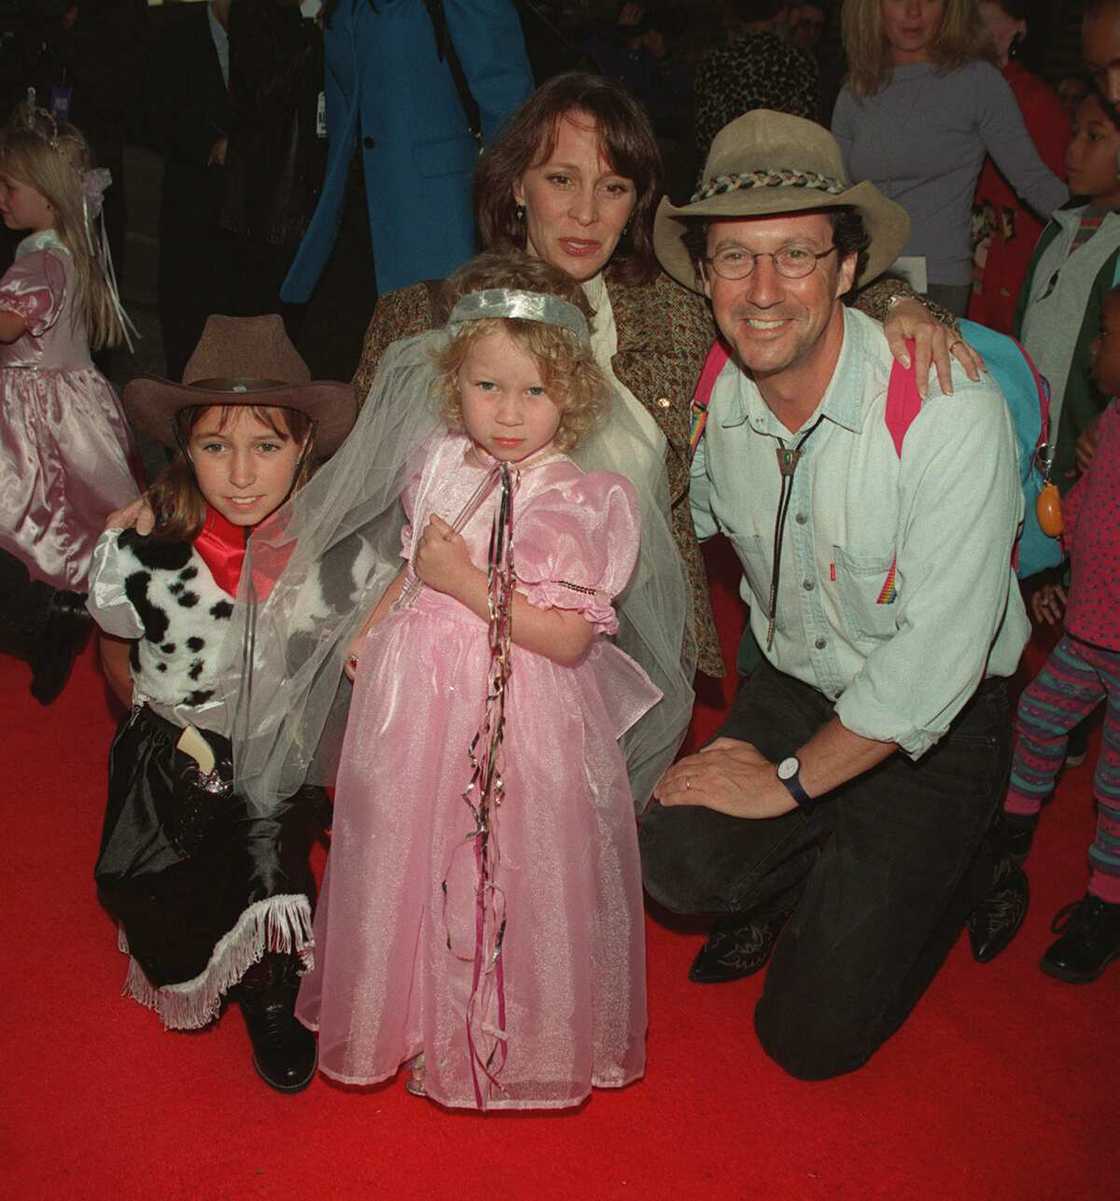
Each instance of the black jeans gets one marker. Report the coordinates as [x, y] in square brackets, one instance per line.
[890, 865]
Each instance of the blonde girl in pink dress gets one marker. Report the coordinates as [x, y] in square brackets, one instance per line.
[65, 448]
[481, 915]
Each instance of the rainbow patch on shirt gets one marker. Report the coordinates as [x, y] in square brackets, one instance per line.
[889, 590]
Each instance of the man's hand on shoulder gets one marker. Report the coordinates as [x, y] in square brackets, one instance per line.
[730, 777]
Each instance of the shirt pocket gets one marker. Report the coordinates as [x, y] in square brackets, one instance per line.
[752, 556]
[868, 593]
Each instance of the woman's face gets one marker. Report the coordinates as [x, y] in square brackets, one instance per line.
[1001, 27]
[911, 27]
[1091, 157]
[576, 204]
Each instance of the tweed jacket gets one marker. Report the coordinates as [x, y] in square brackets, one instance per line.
[664, 333]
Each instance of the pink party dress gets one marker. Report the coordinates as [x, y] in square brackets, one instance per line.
[396, 924]
[65, 449]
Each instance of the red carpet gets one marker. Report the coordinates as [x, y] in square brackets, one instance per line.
[996, 1089]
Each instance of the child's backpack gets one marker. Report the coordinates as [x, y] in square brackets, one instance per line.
[1027, 395]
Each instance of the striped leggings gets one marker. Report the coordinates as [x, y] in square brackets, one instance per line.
[1070, 685]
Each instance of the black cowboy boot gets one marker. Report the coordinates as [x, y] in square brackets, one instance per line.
[284, 1052]
[996, 919]
[740, 943]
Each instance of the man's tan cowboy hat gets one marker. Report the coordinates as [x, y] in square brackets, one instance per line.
[243, 361]
[765, 163]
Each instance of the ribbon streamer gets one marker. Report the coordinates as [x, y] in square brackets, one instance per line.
[486, 1007]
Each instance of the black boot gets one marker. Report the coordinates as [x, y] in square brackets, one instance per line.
[67, 626]
[740, 943]
[996, 920]
[1090, 940]
[284, 1052]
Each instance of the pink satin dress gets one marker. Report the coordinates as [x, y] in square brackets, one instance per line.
[395, 927]
[65, 448]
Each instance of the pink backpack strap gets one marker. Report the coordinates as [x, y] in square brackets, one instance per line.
[709, 373]
[904, 402]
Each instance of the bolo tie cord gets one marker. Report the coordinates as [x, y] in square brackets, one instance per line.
[787, 465]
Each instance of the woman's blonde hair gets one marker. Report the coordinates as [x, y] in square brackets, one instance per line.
[961, 39]
[175, 497]
[53, 157]
[568, 370]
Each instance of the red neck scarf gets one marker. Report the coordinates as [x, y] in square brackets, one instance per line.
[222, 547]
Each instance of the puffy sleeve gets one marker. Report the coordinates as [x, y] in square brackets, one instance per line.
[35, 288]
[108, 601]
[575, 546]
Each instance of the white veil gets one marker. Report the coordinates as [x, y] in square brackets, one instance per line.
[317, 566]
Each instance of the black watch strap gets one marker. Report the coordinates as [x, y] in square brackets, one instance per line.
[795, 789]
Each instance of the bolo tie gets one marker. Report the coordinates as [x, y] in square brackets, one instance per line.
[788, 458]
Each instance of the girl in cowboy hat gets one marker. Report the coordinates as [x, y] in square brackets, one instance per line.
[209, 893]
[65, 449]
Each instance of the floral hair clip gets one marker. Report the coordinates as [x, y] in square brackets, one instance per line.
[94, 183]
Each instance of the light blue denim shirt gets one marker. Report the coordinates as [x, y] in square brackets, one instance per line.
[900, 655]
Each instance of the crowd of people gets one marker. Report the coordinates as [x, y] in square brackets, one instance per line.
[453, 609]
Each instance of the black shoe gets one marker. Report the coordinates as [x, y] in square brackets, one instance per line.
[1018, 834]
[996, 920]
[67, 626]
[1090, 940]
[284, 1052]
[738, 946]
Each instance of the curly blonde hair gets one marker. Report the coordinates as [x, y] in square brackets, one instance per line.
[52, 157]
[962, 38]
[569, 372]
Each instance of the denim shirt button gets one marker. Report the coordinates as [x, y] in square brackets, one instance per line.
[821, 643]
[808, 585]
[800, 518]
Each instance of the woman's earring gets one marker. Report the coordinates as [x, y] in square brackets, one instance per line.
[1015, 46]
[519, 212]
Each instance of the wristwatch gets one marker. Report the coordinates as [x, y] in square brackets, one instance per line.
[789, 772]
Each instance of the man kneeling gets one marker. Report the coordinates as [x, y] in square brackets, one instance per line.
[857, 777]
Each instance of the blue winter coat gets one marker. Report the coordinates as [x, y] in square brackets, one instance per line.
[387, 86]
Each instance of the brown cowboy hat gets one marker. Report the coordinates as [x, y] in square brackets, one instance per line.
[765, 163]
[243, 361]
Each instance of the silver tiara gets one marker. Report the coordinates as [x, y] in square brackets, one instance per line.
[528, 306]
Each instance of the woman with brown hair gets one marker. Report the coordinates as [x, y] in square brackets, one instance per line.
[575, 179]
[922, 107]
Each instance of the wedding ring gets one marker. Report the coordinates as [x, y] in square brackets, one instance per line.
[953, 345]
[687, 783]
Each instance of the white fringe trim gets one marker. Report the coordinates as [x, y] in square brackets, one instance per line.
[281, 924]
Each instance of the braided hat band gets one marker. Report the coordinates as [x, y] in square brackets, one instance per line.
[777, 178]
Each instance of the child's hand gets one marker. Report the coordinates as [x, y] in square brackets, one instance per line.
[138, 514]
[442, 560]
[1048, 604]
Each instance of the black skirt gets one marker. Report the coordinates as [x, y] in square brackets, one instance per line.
[200, 885]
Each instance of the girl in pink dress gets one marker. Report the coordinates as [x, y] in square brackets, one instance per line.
[64, 444]
[481, 914]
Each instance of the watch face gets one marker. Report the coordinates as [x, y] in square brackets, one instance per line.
[788, 768]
